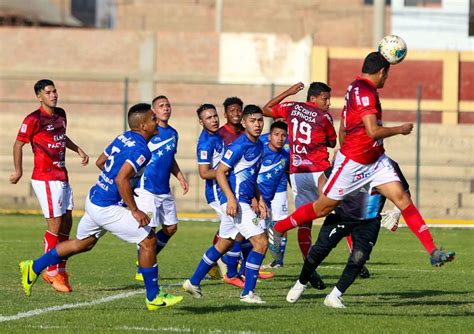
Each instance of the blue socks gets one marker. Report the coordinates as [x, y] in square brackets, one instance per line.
[161, 240]
[150, 278]
[246, 248]
[254, 261]
[232, 258]
[207, 261]
[48, 259]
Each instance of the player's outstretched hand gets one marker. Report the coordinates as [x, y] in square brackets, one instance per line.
[14, 178]
[141, 217]
[84, 156]
[406, 128]
[295, 88]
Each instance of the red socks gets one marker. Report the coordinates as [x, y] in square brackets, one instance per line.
[302, 215]
[349, 242]
[62, 265]
[304, 240]
[417, 225]
[50, 241]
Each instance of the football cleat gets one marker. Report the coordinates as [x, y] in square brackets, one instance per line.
[274, 242]
[236, 281]
[273, 265]
[364, 272]
[390, 219]
[139, 277]
[333, 301]
[251, 298]
[265, 274]
[440, 257]
[162, 300]
[28, 276]
[295, 292]
[193, 290]
[215, 273]
[316, 281]
[59, 282]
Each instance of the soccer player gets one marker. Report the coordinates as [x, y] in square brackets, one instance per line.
[154, 193]
[120, 161]
[45, 129]
[233, 128]
[361, 161]
[357, 215]
[279, 204]
[237, 176]
[229, 132]
[311, 132]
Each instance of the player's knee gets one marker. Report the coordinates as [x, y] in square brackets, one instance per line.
[358, 257]
[170, 230]
[149, 243]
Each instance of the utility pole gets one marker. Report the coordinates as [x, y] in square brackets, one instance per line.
[219, 5]
[378, 31]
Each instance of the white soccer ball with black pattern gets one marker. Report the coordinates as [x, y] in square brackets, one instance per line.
[393, 48]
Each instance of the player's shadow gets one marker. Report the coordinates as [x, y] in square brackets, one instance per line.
[411, 294]
[230, 308]
[121, 288]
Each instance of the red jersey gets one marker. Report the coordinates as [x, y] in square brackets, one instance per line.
[47, 135]
[361, 99]
[309, 130]
[228, 134]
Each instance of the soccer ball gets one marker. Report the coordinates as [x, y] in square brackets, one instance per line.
[393, 48]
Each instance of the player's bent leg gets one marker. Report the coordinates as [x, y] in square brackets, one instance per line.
[252, 267]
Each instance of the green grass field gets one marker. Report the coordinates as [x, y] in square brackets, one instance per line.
[404, 294]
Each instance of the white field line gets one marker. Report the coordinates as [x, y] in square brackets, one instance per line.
[103, 300]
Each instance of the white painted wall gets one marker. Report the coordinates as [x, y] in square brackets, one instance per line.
[263, 58]
[444, 28]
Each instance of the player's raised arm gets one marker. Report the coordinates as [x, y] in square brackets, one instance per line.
[17, 161]
[72, 146]
[376, 131]
[267, 108]
[125, 189]
[221, 172]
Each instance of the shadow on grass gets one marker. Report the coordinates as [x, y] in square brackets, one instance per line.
[227, 308]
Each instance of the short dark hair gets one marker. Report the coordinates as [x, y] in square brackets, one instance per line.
[41, 84]
[316, 88]
[279, 125]
[374, 62]
[251, 109]
[232, 100]
[136, 112]
[159, 97]
[203, 107]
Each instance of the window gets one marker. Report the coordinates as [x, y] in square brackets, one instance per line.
[471, 18]
[423, 3]
[371, 2]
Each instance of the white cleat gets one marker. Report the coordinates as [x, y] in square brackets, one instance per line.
[251, 298]
[193, 290]
[333, 301]
[295, 292]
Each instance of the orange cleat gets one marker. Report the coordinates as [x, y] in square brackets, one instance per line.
[265, 274]
[236, 281]
[60, 282]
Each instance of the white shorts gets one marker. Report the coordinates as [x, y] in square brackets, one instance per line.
[265, 223]
[305, 187]
[245, 222]
[160, 208]
[348, 176]
[216, 205]
[55, 197]
[279, 206]
[115, 219]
